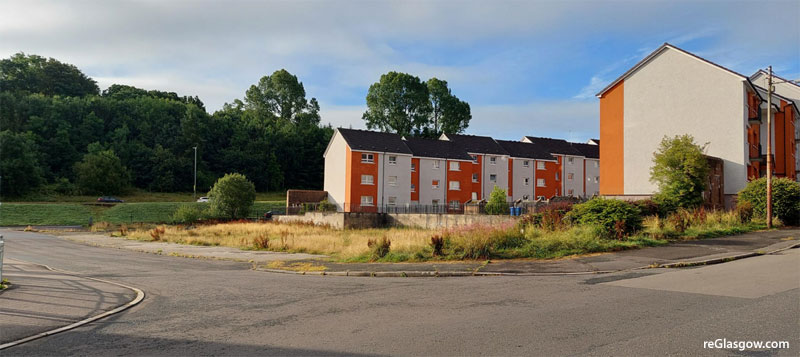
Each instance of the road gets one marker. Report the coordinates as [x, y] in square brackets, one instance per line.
[203, 307]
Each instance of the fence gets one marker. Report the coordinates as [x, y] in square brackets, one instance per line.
[2, 248]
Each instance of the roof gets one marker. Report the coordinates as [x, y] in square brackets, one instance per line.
[762, 72]
[525, 150]
[374, 141]
[476, 144]
[555, 146]
[436, 149]
[590, 151]
[655, 53]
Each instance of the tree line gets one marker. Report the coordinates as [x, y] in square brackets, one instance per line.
[59, 134]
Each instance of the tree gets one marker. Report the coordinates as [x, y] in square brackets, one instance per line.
[232, 196]
[680, 169]
[497, 202]
[449, 114]
[36, 74]
[282, 96]
[101, 172]
[19, 164]
[785, 198]
[398, 103]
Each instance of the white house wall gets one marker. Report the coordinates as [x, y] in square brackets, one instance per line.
[676, 94]
[576, 169]
[519, 190]
[426, 176]
[500, 169]
[335, 167]
[592, 171]
[401, 170]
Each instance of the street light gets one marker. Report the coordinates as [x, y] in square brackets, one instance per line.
[194, 187]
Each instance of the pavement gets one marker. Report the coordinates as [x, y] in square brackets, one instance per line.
[40, 300]
[221, 307]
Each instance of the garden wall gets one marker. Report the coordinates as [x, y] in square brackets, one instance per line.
[351, 220]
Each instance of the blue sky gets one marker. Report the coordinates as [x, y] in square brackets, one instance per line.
[525, 67]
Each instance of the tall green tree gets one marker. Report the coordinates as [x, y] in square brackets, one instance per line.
[398, 103]
[680, 169]
[449, 114]
[281, 95]
[101, 172]
[232, 196]
[36, 74]
[20, 170]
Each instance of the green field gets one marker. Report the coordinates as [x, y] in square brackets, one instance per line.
[135, 196]
[73, 214]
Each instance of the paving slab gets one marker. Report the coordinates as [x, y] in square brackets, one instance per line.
[40, 300]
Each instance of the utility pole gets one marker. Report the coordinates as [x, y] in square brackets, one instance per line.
[769, 148]
[194, 188]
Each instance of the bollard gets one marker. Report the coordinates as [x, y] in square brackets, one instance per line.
[2, 248]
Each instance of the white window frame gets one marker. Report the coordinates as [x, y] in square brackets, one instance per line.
[435, 164]
[597, 179]
[435, 184]
[367, 201]
[570, 192]
[413, 188]
[527, 181]
[540, 182]
[392, 180]
[434, 202]
[367, 180]
[540, 165]
[413, 167]
[455, 186]
[570, 176]
[491, 179]
[455, 166]
[492, 160]
[391, 201]
[474, 177]
[526, 163]
[474, 158]
[392, 160]
[455, 204]
[596, 164]
[367, 158]
[570, 160]
[557, 176]
[474, 196]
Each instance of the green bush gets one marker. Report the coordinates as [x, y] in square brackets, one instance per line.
[325, 206]
[379, 248]
[232, 196]
[785, 199]
[187, 214]
[614, 217]
[497, 202]
[101, 172]
[744, 211]
[680, 169]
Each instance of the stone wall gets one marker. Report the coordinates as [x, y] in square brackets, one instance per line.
[351, 220]
[338, 220]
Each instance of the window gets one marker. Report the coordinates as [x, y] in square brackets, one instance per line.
[474, 196]
[436, 164]
[455, 166]
[540, 165]
[435, 202]
[557, 176]
[526, 163]
[570, 192]
[392, 160]
[493, 177]
[435, 183]
[527, 181]
[366, 200]
[570, 176]
[596, 164]
[474, 158]
[392, 180]
[413, 188]
[413, 167]
[539, 197]
[367, 158]
[540, 182]
[570, 160]
[392, 201]
[493, 160]
[474, 177]
[455, 185]
[367, 180]
[455, 204]
[596, 179]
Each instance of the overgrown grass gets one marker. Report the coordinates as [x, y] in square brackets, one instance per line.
[23, 214]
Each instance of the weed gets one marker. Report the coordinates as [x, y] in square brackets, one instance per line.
[379, 247]
[437, 243]
[123, 230]
[157, 232]
[261, 241]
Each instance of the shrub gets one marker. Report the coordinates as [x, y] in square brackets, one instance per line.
[680, 220]
[101, 172]
[187, 214]
[680, 170]
[325, 206]
[379, 248]
[785, 199]
[744, 211]
[648, 207]
[157, 232]
[497, 203]
[261, 241]
[437, 244]
[606, 213]
[232, 196]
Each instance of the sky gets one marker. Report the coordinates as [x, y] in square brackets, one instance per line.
[525, 67]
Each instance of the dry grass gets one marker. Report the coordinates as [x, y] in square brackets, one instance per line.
[342, 244]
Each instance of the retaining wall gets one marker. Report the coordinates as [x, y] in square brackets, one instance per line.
[350, 220]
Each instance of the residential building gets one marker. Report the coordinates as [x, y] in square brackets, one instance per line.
[523, 175]
[444, 173]
[490, 162]
[673, 92]
[569, 171]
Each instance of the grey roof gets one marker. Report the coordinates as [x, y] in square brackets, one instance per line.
[436, 149]
[477, 144]
[374, 141]
[590, 151]
[525, 150]
[555, 146]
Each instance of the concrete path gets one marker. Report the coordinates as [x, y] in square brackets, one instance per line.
[182, 250]
[40, 300]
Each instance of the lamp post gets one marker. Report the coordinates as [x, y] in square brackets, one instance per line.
[194, 187]
[769, 149]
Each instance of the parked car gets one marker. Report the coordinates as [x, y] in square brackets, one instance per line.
[202, 199]
[109, 199]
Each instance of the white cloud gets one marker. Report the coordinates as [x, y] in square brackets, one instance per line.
[343, 116]
[575, 120]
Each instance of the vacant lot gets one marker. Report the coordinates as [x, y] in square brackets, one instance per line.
[23, 214]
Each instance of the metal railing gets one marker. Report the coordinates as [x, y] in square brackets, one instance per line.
[2, 248]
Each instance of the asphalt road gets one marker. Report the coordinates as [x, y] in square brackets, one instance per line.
[202, 307]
